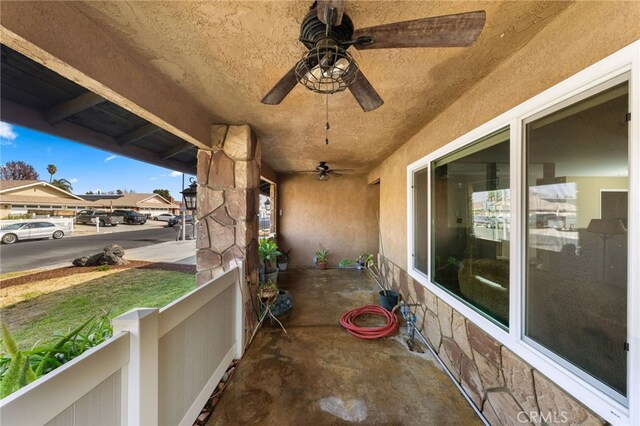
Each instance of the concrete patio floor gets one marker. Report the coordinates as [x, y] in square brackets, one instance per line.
[322, 375]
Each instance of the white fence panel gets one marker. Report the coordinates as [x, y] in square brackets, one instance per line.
[87, 390]
[160, 368]
[198, 340]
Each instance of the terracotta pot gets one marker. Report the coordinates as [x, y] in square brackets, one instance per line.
[322, 265]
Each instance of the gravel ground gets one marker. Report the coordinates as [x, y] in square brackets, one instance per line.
[72, 270]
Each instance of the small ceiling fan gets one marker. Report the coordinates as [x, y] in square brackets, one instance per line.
[323, 172]
[327, 31]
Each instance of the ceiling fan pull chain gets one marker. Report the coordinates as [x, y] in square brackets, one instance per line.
[327, 126]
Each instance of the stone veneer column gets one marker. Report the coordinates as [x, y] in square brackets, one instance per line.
[228, 182]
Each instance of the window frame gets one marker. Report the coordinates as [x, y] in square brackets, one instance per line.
[623, 62]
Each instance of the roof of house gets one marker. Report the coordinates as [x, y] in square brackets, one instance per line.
[7, 186]
[90, 200]
[131, 200]
[10, 184]
[28, 199]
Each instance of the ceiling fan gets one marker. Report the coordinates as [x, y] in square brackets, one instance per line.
[327, 31]
[323, 172]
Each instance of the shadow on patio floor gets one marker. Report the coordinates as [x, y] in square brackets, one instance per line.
[325, 376]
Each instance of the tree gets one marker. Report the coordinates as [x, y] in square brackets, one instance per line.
[163, 193]
[52, 169]
[63, 184]
[18, 170]
[119, 191]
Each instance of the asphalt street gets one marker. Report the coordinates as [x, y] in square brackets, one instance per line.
[35, 254]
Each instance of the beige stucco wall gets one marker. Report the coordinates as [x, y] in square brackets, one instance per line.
[580, 36]
[339, 213]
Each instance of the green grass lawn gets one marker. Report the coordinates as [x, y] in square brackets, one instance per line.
[36, 319]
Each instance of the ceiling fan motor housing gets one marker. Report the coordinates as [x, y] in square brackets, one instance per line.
[313, 30]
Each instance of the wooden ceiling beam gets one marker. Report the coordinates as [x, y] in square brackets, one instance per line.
[71, 107]
[24, 116]
[172, 152]
[137, 134]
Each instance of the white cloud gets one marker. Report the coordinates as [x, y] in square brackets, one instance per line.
[109, 158]
[152, 178]
[73, 180]
[7, 134]
[175, 174]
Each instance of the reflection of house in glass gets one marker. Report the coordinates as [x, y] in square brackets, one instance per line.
[491, 209]
[553, 216]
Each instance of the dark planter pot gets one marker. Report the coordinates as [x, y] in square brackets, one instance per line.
[271, 275]
[268, 274]
[282, 304]
[322, 265]
[388, 299]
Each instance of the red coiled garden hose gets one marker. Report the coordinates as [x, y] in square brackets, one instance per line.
[348, 322]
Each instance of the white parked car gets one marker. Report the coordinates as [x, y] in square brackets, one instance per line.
[164, 217]
[9, 234]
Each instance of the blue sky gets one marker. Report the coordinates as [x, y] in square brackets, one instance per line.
[87, 168]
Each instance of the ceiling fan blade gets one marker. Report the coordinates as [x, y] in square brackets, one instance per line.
[281, 89]
[342, 171]
[457, 30]
[365, 94]
[323, 6]
[334, 173]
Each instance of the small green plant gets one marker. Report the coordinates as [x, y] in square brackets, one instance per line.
[345, 263]
[268, 251]
[19, 368]
[322, 254]
[103, 268]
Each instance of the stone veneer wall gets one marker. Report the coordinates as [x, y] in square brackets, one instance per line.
[228, 181]
[500, 384]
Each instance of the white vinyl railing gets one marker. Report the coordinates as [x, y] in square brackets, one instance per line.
[160, 367]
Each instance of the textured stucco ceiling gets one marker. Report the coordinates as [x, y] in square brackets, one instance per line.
[228, 54]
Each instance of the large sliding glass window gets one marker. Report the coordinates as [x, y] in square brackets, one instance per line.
[470, 210]
[576, 271]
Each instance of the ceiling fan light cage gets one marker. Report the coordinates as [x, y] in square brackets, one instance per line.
[326, 69]
[322, 177]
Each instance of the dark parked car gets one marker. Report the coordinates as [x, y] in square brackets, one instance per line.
[177, 220]
[131, 217]
[103, 217]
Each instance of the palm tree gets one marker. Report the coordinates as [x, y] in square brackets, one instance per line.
[63, 184]
[52, 169]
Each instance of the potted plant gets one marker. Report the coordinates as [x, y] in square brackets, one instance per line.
[345, 263]
[321, 257]
[268, 253]
[283, 260]
[388, 297]
[361, 261]
[267, 291]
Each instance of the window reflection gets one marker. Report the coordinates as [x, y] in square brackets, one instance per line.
[471, 222]
[577, 166]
